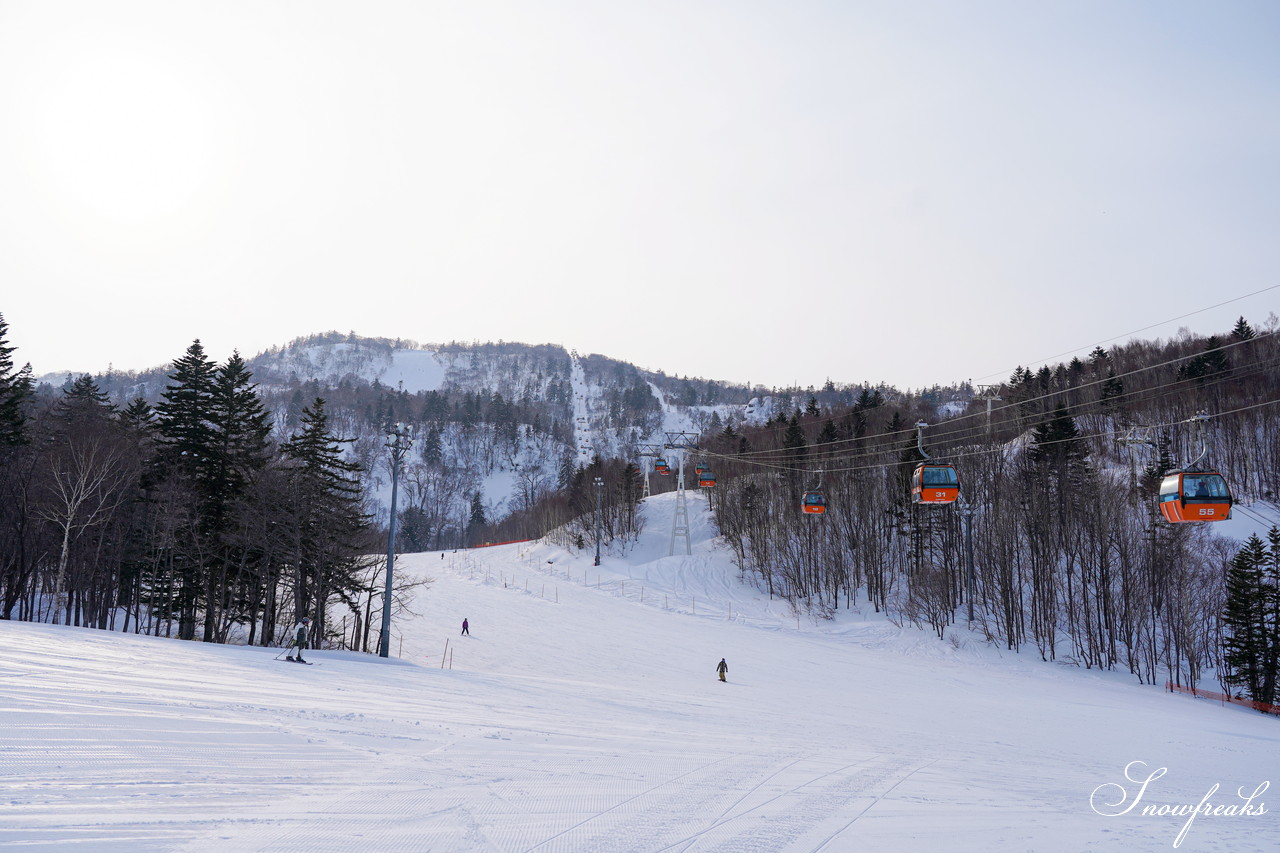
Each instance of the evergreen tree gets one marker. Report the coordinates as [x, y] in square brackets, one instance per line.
[1075, 372]
[856, 424]
[432, 447]
[15, 391]
[1023, 392]
[138, 416]
[413, 533]
[182, 473]
[1245, 644]
[829, 433]
[1057, 468]
[794, 440]
[503, 417]
[566, 472]
[293, 411]
[1099, 362]
[1271, 608]
[1216, 360]
[1212, 363]
[184, 416]
[241, 425]
[435, 408]
[83, 406]
[330, 519]
[1057, 444]
[1044, 381]
[1242, 330]
[238, 453]
[477, 521]
[211, 431]
[1111, 392]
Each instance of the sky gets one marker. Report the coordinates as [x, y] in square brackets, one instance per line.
[908, 192]
[583, 713]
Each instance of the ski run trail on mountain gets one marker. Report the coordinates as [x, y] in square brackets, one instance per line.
[583, 713]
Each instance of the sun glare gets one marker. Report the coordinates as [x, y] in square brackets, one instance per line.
[126, 139]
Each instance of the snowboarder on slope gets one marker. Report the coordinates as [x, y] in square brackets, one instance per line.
[299, 639]
[466, 631]
[722, 668]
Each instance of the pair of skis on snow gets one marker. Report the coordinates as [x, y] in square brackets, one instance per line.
[292, 659]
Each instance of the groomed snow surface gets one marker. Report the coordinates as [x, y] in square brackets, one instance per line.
[584, 714]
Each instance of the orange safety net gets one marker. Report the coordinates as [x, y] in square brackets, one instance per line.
[1264, 707]
[495, 544]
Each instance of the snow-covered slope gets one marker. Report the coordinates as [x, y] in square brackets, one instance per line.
[583, 714]
[402, 366]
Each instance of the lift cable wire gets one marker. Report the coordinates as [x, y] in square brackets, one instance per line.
[808, 468]
[1143, 329]
[1048, 395]
[1168, 389]
[1153, 394]
[1242, 508]
[951, 436]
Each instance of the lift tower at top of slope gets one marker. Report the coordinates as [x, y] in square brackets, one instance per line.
[648, 452]
[681, 442]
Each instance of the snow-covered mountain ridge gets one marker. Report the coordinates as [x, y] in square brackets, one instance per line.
[552, 406]
[330, 360]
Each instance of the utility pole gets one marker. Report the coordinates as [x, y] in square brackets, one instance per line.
[599, 495]
[399, 440]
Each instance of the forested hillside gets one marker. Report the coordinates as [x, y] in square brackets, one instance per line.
[220, 499]
[1059, 482]
[216, 498]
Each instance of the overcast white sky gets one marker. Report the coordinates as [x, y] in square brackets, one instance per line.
[775, 192]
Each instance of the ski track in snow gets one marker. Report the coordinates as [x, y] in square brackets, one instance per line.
[583, 714]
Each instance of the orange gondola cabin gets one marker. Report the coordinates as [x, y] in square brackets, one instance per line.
[1194, 496]
[660, 465]
[706, 479]
[814, 503]
[935, 484]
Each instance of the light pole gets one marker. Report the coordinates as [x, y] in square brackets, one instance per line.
[599, 493]
[399, 440]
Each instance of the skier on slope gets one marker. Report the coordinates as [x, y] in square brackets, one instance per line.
[299, 639]
[466, 629]
[723, 669]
